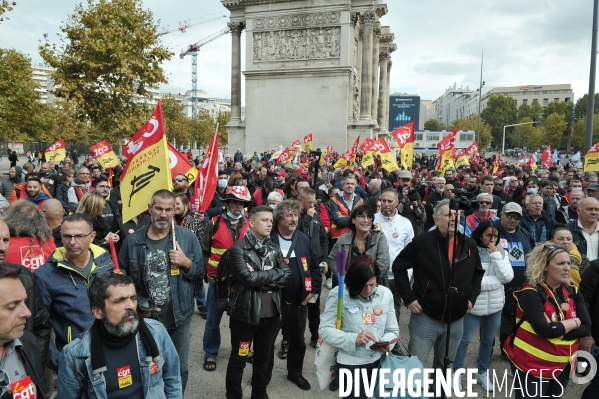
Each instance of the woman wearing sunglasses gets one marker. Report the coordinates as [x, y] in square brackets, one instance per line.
[486, 312]
[551, 317]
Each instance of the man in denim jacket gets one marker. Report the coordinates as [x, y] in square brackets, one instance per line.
[164, 269]
[121, 355]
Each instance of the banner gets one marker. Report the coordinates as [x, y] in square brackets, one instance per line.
[404, 137]
[148, 168]
[105, 155]
[308, 142]
[284, 157]
[205, 186]
[447, 142]
[56, 152]
[180, 165]
[387, 161]
[591, 159]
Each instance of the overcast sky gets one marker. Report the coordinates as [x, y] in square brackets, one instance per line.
[439, 42]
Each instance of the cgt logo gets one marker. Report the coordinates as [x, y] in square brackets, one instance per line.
[586, 367]
[98, 152]
[123, 372]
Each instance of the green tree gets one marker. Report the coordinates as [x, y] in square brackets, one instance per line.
[6, 6]
[63, 122]
[110, 55]
[471, 123]
[500, 111]
[178, 130]
[580, 109]
[433, 124]
[203, 128]
[222, 118]
[579, 131]
[555, 125]
[532, 111]
[19, 100]
[527, 135]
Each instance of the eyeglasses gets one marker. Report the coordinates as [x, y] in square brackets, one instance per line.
[485, 202]
[554, 249]
[499, 184]
[5, 392]
[78, 238]
[513, 216]
[180, 179]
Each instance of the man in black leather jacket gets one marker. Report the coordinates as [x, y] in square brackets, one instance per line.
[258, 274]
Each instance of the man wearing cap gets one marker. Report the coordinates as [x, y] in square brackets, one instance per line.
[410, 206]
[281, 176]
[585, 231]
[484, 201]
[221, 232]
[593, 190]
[568, 214]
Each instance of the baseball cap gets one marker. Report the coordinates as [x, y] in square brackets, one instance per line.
[405, 174]
[282, 173]
[512, 207]
[593, 187]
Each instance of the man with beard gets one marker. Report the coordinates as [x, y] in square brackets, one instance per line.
[472, 186]
[499, 190]
[79, 187]
[34, 192]
[7, 185]
[164, 265]
[61, 281]
[432, 200]
[181, 184]
[122, 355]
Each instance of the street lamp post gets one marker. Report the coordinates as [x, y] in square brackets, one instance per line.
[517, 124]
[480, 92]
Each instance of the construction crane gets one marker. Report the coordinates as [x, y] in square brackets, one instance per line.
[193, 50]
[183, 25]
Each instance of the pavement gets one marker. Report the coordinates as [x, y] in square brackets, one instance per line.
[211, 385]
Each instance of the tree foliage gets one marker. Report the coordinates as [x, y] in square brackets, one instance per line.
[63, 122]
[222, 118]
[527, 135]
[532, 111]
[471, 123]
[555, 125]
[579, 131]
[6, 6]
[19, 101]
[433, 124]
[500, 111]
[110, 54]
[178, 128]
[580, 109]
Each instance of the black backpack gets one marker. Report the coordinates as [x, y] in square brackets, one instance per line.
[223, 282]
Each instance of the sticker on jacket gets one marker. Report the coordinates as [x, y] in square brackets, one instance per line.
[23, 389]
[124, 377]
[244, 348]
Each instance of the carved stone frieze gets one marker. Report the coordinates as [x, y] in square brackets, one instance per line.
[384, 56]
[236, 27]
[298, 20]
[368, 17]
[297, 44]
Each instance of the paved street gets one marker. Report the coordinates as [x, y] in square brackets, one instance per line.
[204, 384]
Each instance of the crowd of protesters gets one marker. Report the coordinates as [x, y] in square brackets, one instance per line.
[119, 326]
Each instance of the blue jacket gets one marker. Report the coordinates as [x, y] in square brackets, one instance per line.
[384, 327]
[132, 259]
[517, 245]
[539, 229]
[359, 190]
[76, 369]
[64, 293]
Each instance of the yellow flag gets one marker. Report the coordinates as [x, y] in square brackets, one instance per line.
[148, 169]
[56, 152]
[308, 142]
[407, 155]
[367, 159]
[105, 155]
[446, 162]
[462, 161]
[387, 160]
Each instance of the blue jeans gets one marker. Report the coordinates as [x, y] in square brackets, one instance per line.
[181, 337]
[426, 333]
[212, 327]
[532, 387]
[488, 328]
[201, 300]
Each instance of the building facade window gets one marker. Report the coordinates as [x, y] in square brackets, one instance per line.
[525, 101]
[556, 100]
[567, 99]
[545, 101]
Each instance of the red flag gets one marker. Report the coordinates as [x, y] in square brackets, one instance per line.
[208, 177]
[368, 142]
[114, 256]
[404, 134]
[594, 148]
[472, 149]
[284, 157]
[454, 153]
[308, 142]
[546, 157]
[448, 141]
[145, 136]
[180, 165]
[346, 156]
[485, 171]
[296, 144]
[354, 148]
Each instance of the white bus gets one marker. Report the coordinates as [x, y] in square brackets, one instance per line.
[425, 141]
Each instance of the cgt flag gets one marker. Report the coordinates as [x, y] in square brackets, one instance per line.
[56, 152]
[546, 157]
[105, 155]
[447, 142]
[284, 157]
[354, 151]
[343, 160]
[148, 168]
[308, 142]
[387, 160]
[207, 179]
[404, 137]
[180, 165]
[591, 159]
[472, 149]
[368, 157]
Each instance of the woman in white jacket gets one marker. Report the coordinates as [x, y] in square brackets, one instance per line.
[487, 310]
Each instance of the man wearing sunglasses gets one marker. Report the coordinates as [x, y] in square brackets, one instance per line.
[484, 201]
[21, 368]
[181, 184]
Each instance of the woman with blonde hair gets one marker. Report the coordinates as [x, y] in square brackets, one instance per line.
[92, 204]
[551, 317]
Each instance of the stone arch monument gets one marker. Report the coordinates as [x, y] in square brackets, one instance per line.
[312, 66]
